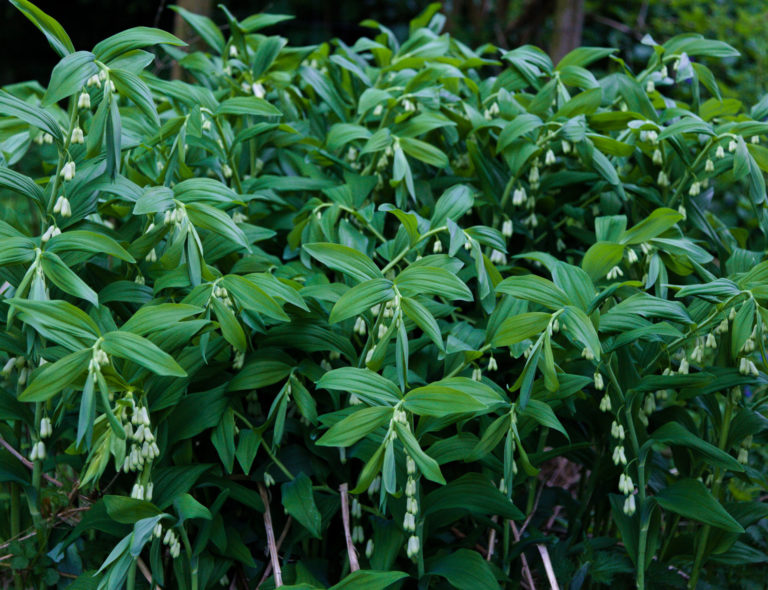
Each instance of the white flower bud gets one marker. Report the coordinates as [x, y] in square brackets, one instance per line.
[84, 100]
[629, 505]
[619, 456]
[743, 456]
[662, 179]
[382, 331]
[258, 90]
[720, 152]
[409, 522]
[695, 189]
[413, 547]
[410, 465]
[650, 87]
[549, 158]
[599, 383]
[565, 146]
[754, 139]
[437, 247]
[507, 229]
[410, 487]
[533, 175]
[45, 428]
[226, 171]
[684, 367]
[369, 355]
[657, 157]
[477, 374]
[233, 51]
[709, 166]
[732, 146]
[369, 548]
[605, 403]
[375, 485]
[68, 170]
[492, 364]
[519, 197]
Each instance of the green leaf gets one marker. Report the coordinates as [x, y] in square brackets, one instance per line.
[421, 316]
[21, 184]
[248, 105]
[426, 464]
[35, 116]
[344, 259]
[473, 493]
[141, 351]
[544, 415]
[673, 433]
[187, 507]
[369, 580]
[465, 570]
[535, 289]
[69, 76]
[65, 279]
[691, 498]
[88, 241]
[129, 510]
[432, 280]
[421, 150]
[53, 31]
[367, 385]
[356, 426]
[299, 502]
[133, 87]
[52, 378]
[517, 127]
[580, 329]
[583, 56]
[134, 38]
[659, 221]
[600, 258]
[59, 321]
[252, 297]
[521, 327]
[361, 298]
[207, 217]
[440, 400]
[204, 27]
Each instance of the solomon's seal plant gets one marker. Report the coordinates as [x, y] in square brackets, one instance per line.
[397, 312]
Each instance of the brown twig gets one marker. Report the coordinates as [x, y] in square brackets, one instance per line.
[145, 572]
[280, 540]
[27, 463]
[526, 568]
[491, 539]
[353, 564]
[271, 537]
[548, 566]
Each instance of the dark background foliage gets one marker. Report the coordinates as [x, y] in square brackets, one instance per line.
[506, 23]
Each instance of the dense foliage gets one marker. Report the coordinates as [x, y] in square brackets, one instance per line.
[397, 313]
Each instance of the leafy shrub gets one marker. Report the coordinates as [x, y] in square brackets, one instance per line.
[433, 313]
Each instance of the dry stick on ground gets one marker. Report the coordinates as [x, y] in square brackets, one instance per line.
[491, 539]
[145, 571]
[353, 564]
[526, 569]
[271, 537]
[548, 566]
[268, 569]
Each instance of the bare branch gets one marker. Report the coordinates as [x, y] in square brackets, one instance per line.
[353, 563]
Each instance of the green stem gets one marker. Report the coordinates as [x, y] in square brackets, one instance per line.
[130, 581]
[193, 565]
[63, 152]
[644, 516]
[37, 476]
[16, 513]
[701, 545]
[407, 249]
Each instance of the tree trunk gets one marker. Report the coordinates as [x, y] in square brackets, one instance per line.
[184, 31]
[568, 23]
